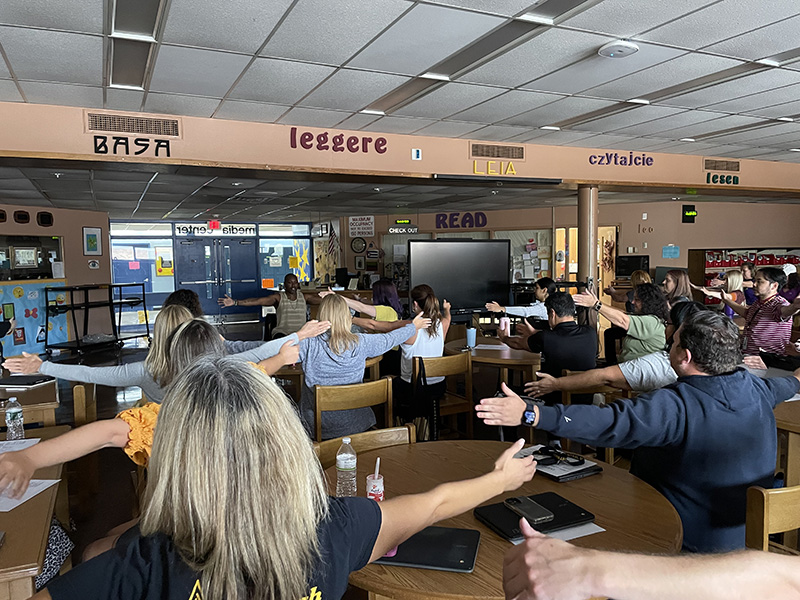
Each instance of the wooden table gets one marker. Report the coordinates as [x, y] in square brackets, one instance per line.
[27, 528]
[505, 358]
[39, 403]
[635, 516]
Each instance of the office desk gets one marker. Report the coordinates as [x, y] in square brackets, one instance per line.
[504, 358]
[27, 528]
[635, 516]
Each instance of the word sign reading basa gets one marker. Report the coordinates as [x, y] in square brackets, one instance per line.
[122, 145]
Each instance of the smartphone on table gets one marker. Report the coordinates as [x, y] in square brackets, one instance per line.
[535, 513]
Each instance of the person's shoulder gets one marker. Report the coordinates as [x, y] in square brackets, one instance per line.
[342, 512]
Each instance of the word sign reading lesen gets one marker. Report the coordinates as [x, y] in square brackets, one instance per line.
[361, 226]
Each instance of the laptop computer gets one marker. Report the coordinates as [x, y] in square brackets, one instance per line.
[439, 549]
[505, 522]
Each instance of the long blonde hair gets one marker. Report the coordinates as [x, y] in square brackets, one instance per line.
[188, 342]
[333, 308]
[639, 277]
[234, 483]
[733, 281]
[157, 361]
[429, 305]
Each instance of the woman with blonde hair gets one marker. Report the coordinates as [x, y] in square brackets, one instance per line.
[339, 358]
[248, 517]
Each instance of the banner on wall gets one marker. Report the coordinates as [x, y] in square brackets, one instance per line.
[361, 226]
[25, 303]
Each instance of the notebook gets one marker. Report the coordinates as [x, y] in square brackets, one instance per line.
[561, 471]
[439, 549]
[505, 522]
[25, 380]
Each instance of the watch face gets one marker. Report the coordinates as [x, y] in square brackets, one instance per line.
[358, 244]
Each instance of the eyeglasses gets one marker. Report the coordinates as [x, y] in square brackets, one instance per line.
[551, 456]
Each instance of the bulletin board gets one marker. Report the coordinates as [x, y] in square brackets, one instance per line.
[24, 300]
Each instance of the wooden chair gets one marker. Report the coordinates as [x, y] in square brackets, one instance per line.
[373, 367]
[348, 397]
[610, 393]
[452, 403]
[364, 442]
[84, 403]
[771, 511]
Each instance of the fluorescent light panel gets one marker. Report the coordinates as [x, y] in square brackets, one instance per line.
[638, 101]
[686, 140]
[135, 18]
[550, 128]
[128, 63]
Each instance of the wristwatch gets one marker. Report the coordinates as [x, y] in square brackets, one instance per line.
[529, 416]
[598, 306]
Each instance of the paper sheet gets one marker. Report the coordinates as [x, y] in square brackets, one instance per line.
[490, 347]
[36, 487]
[15, 445]
[571, 533]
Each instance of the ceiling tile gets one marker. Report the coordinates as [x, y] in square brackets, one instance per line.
[505, 106]
[553, 49]
[130, 100]
[338, 29]
[312, 117]
[727, 122]
[399, 124]
[436, 31]
[9, 91]
[62, 94]
[770, 129]
[194, 71]
[761, 43]
[239, 25]
[688, 117]
[682, 69]
[741, 86]
[279, 81]
[338, 91]
[84, 16]
[754, 103]
[637, 114]
[357, 121]
[448, 129]
[597, 70]
[558, 111]
[600, 141]
[250, 111]
[53, 56]
[4, 74]
[558, 138]
[788, 109]
[721, 21]
[506, 8]
[173, 104]
[623, 18]
[448, 99]
[496, 133]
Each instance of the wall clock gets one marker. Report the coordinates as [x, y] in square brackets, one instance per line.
[358, 244]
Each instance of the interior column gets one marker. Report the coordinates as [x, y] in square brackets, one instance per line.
[587, 232]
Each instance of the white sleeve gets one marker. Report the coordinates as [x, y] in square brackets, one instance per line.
[536, 310]
[648, 372]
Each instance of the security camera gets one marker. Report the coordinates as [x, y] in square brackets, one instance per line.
[618, 49]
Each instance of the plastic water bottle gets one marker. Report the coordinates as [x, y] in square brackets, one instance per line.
[14, 420]
[346, 462]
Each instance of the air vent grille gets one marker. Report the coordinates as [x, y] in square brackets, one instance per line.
[133, 125]
[495, 151]
[721, 165]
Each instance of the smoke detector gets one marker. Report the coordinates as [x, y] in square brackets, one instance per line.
[618, 49]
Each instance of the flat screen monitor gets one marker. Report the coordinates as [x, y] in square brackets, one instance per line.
[468, 273]
[626, 265]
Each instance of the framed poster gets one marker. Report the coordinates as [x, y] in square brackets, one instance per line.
[92, 242]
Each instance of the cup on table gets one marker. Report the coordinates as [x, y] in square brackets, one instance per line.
[375, 487]
[472, 336]
[505, 324]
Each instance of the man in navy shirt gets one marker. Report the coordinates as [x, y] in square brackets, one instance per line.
[701, 441]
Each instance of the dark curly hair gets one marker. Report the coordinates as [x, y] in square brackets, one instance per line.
[186, 298]
[713, 340]
[653, 300]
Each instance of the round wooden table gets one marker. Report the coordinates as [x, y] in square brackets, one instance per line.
[504, 358]
[635, 516]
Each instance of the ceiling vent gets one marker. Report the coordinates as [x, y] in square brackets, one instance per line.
[721, 165]
[133, 125]
[496, 151]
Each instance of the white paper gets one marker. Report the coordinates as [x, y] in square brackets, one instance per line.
[36, 487]
[544, 264]
[570, 533]
[144, 253]
[526, 256]
[14, 445]
[490, 347]
[275, 261]
[58, 269]
[399, 250]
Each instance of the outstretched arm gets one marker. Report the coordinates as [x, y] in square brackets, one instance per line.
[404, 516]
[616, 316]
[287, 355]
[727, 299]
[379, 326]
[17, 468]
[271, 300]
[611, 376]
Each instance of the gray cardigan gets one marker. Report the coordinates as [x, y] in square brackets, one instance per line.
[137, 374]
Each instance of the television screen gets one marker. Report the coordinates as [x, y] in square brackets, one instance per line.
[626, 265]
[468, 273]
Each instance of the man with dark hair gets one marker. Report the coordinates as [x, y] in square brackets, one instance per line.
[701, 441]
[566, 345]
[768, 321]
[186, 298]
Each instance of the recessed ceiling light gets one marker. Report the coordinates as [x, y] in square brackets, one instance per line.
[769, 63]
[369, 111]
[57, 175]
[550, 128]
[638, 101]
[786, 119]
[435, 76]
[237, 183]
[794, 149]
[686, 140]
[534, 18]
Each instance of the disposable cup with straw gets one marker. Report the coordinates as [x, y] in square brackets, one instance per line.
[375, 491]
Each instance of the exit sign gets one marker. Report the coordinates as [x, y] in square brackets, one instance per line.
[402, 221]
[214, 225]
[689, 213]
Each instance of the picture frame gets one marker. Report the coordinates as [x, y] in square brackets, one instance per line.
[92, 241]
[360, 264]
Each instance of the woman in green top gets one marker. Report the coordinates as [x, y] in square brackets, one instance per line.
[645, 329]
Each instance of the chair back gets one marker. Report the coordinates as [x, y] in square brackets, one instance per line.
[348, 397]
[364, 442]
[84, 404]
[453, 403]
[771, 511]
[442, 366]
